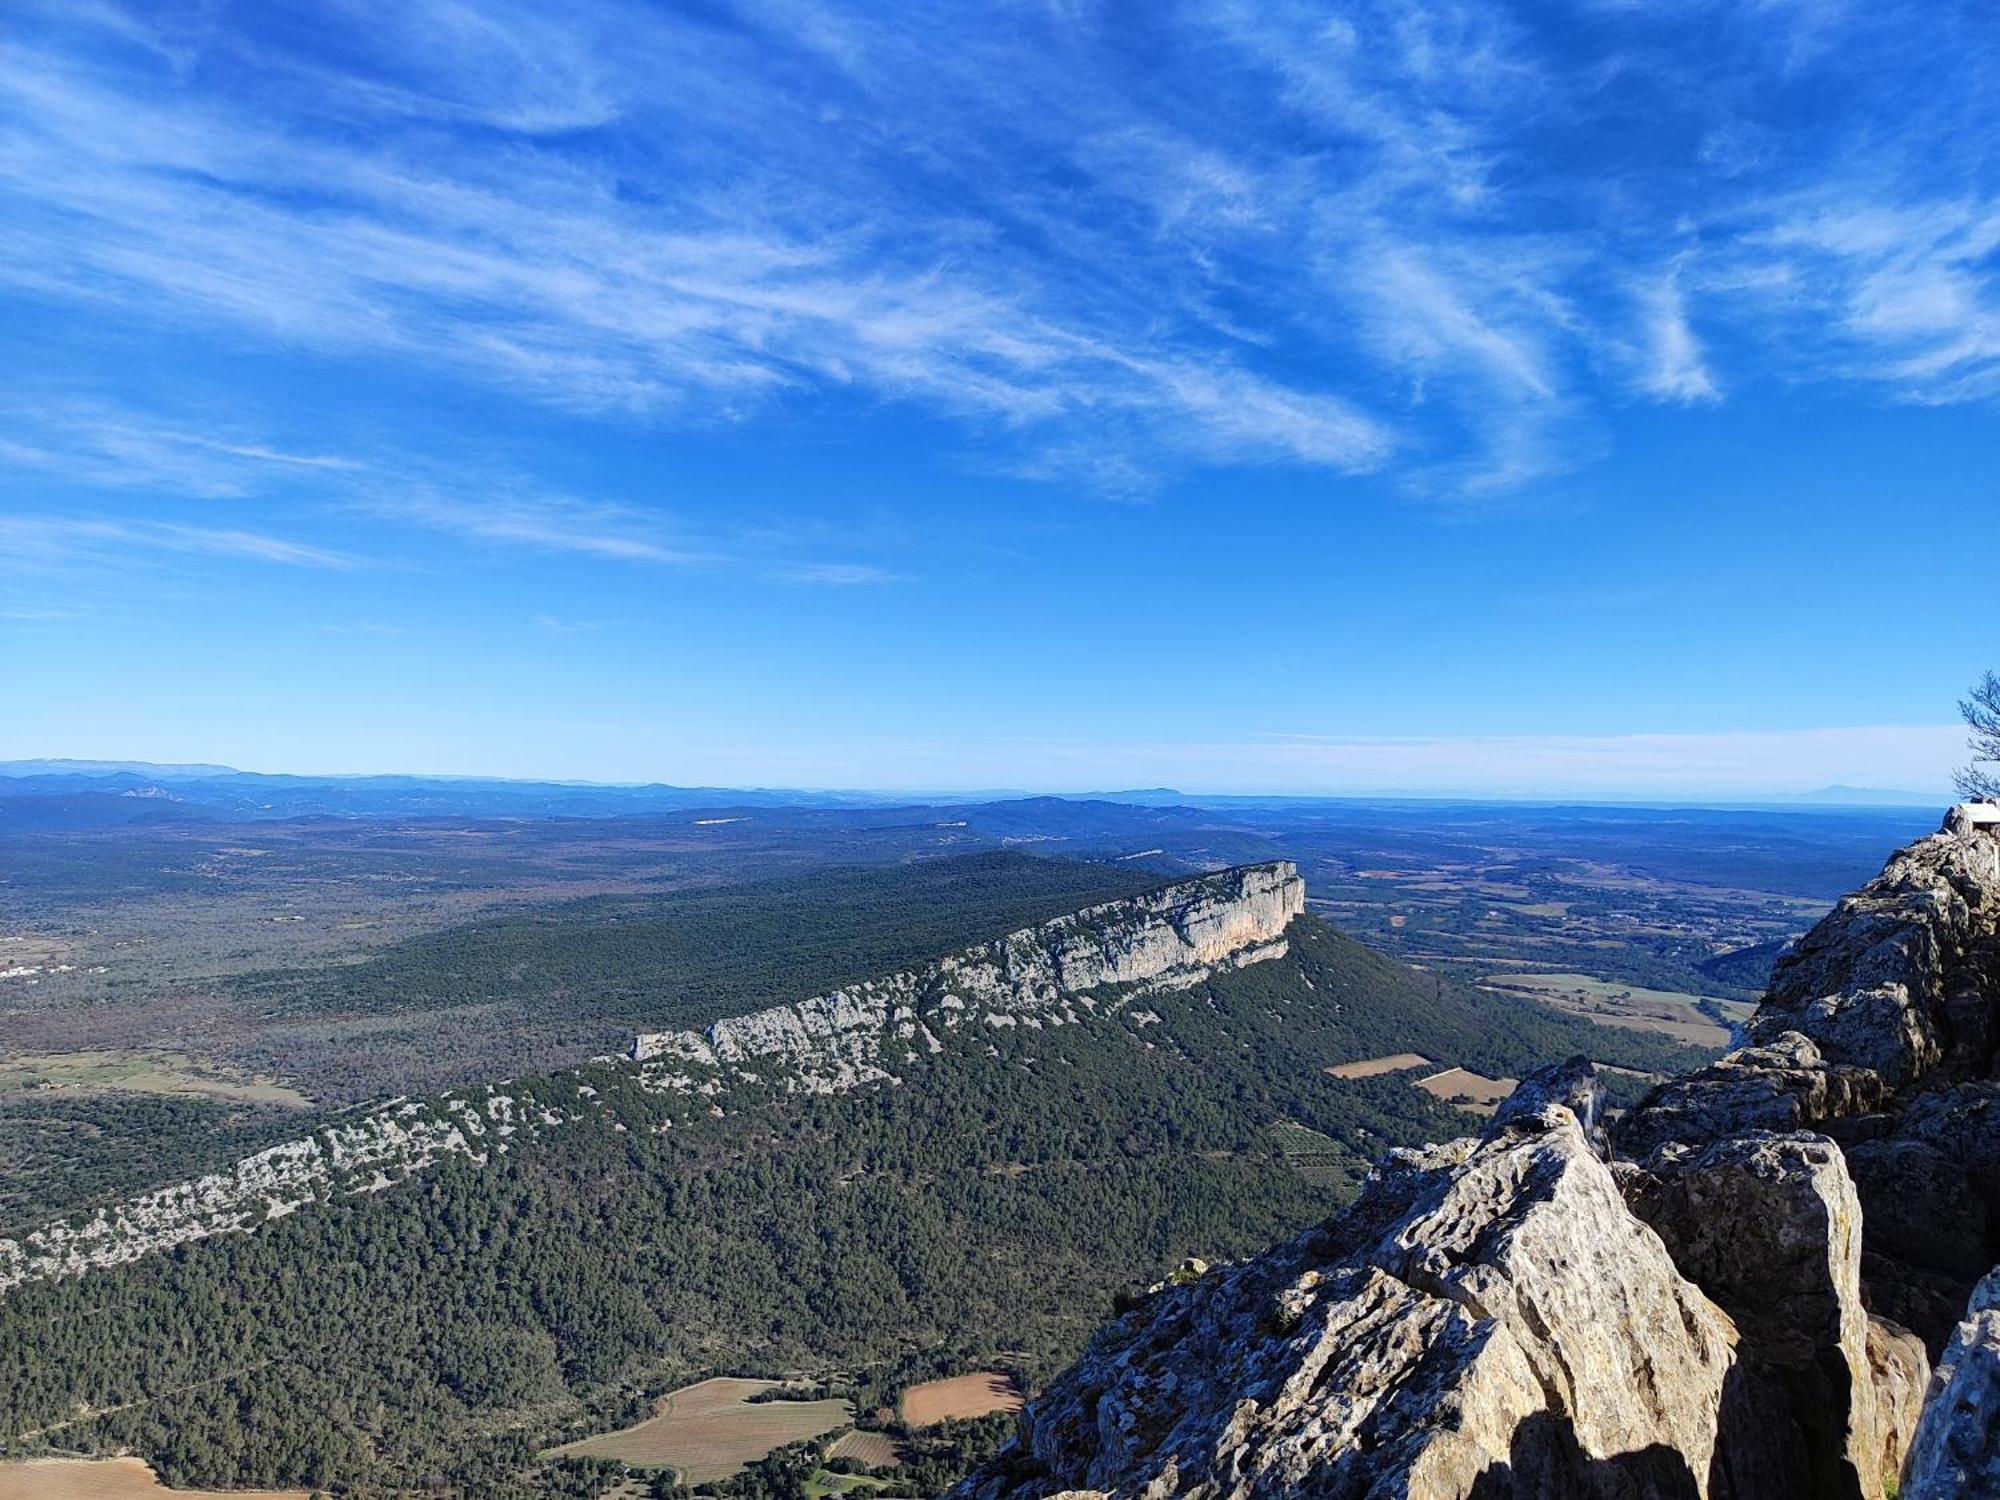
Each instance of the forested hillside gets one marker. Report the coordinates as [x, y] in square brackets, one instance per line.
[692, 957]
[990, 1205]
[530, 991]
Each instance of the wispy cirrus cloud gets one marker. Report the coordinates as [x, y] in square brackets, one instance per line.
[835, 575]
[96, 443]
[1421, 237]
[1673, 367]
[1911, 287]
[547, 525]
[539, 523]
[535, 271]
[36, 542]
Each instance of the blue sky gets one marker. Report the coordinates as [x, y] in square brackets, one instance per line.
[1590, 397]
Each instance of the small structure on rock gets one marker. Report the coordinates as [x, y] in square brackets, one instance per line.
[1973, 817]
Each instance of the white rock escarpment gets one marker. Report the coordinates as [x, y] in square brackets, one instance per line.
[361, 1154]
[1103, 956]
[1094, 959]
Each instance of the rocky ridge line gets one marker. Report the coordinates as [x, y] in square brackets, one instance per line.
[1705, 1302]
[1047, 974]
[1092, 961]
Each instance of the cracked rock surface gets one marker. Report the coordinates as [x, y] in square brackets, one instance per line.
[1717, 1301]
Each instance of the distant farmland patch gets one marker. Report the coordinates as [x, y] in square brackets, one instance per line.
[1375, 1067]
[1683, 1016]
[709, 1431]
[1482, 1094]
[148, 1071]
[962, 1396]
[108, 1479]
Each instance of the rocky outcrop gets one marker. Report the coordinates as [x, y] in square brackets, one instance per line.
[1880, 1030]
[1956, 1451]
[1091, 962]
[1700, 1306]
[1044, 975]
[1488, 1320]
[362, 1154]
[1769, 1227]
[1899, 978]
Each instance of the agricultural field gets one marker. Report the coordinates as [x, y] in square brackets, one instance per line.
[976, 1395]
[875, 1449]
[866, 1486]
[1375, 1067]
[1684, 1016]
[144, 1071]
[709, 1431]
[108, 1479]
[1472, 1092]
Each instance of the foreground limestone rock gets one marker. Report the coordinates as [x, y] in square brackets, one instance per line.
[1769, 1226]
[1897, 985]
[1880, 1030]
[1699, 1307]
[1488, 1320]
[1956, 1452]
[1898, 978]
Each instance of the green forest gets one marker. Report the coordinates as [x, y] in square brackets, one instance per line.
[692, 957]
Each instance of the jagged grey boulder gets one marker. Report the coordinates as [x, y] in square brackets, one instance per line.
[1572, 1085]
[1897, 978]
[1956, 1451]
[1769, 1226]
[1880, 1030]
[1488, 1321]
[1784, 1083]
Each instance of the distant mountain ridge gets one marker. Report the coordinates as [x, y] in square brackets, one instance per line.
[224, 790]
[977, 1149]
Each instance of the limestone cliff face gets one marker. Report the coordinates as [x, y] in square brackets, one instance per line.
[1092, 961]
[1042, 975]
[362, 1154]
[1707, 1301]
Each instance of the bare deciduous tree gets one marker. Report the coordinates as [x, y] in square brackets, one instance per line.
[1980, 709]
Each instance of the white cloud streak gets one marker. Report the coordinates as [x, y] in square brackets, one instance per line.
[1419, 236]
[92, 442]
[1674, 368]
[39, 542]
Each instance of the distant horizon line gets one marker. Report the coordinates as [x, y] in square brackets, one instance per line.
[1822, 796]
